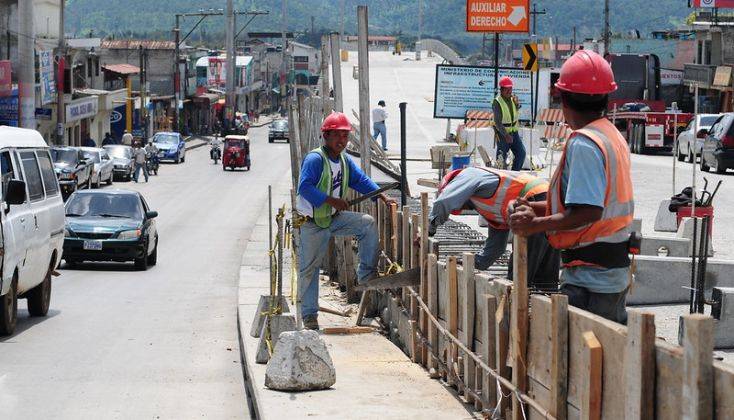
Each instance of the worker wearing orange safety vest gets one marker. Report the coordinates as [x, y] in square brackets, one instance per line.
[490, 192]
[588, 214]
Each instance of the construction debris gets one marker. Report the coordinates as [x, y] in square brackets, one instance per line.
[300, 362]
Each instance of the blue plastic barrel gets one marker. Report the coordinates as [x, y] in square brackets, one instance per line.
[460, 161]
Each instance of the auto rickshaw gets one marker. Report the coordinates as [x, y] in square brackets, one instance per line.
[236, 152]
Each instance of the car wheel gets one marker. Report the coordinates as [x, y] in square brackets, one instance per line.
[9, 309]
[178, 159]
[39, 298]
[71, 263]
[99, 182]
[704, 166]
[109, 180]
[270, 140]
[141, 264]
[681, 157]
[153, 258]
[720, 169]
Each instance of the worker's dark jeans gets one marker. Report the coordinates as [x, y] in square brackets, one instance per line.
[607, 305]
[518, 151]
[544, 264]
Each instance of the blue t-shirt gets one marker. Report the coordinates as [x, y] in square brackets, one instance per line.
[584, 182]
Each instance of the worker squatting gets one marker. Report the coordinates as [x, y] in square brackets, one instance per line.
[488, 7]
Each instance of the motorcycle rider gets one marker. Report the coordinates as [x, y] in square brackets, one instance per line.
[151, 152]
[216, 147]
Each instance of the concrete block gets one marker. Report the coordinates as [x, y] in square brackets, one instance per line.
[300, 362]
[665, 221]
[667, 279]
[665, 246]
[263, 306]
[278, 324]
[685, 230]
[723, 312]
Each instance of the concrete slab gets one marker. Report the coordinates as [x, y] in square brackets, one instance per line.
[665, 246]
[665, 221]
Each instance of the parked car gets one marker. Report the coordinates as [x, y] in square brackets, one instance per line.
[122, 159]
[718, 148]
[685, 138]
[72, 168]
[32, 224]
[110, 225]
[278, 130]
[171, 146]
[103, 166]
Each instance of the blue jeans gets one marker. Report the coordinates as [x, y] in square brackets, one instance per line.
[494, 247]
[138, 167]
[518, 150]
[380, 129]
[314, 244]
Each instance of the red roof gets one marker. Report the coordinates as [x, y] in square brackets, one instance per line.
[123, 69]
[134, 44]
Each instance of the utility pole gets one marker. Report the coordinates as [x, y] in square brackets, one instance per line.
[336, 71]
[324, 66]
[283, 64]
[573, 42]
[60, 66]
[313, 19]
[535, 12]
[230, 97]
[176, 71]
[26, 66]
[341, 20]
[364, 89]
[606, 28]
[420, 28]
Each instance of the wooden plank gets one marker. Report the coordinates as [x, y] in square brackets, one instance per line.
[484, 155]
[489, 347]
[423, 291]
[432, 282]
[559, 355]
[350, 274]
[591, 392]
[394, 232]
[502, 329]
[405, 242]
[468, 309]
[414, 341]
[347, 330]
[698, 378]
[430, 183]
[414, 244]
[723, 384]
[519, 320]
[639, 366]
[453, 312]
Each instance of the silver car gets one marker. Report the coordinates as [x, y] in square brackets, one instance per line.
[122, 158]
[687, 137]
[103, 166]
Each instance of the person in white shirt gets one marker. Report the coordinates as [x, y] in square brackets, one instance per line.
[379, 115]
[127, 138]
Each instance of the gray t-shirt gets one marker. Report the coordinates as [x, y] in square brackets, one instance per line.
[470, 182]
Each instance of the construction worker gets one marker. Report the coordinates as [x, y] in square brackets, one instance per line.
[506, 121]
[326, 173]
[590, 204]
[491, 192]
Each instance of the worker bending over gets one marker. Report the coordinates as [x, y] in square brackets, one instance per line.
[507, 124]
[590, 204]
[490, 192]
[326, 175]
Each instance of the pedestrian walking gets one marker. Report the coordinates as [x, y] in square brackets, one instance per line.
[127, 138]
[590, 204]
[506, 122]
[108, 139]
[491, 192]
[379, 115]
[88, 142]
[139, 157]
[326, 175]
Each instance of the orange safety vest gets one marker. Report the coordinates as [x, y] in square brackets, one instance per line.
[512, 186]
[615, 223]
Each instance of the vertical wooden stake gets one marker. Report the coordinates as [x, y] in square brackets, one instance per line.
[423, 291]
[394, 232]
[413, 341]
[489, 346]
[414, 244]
[432, 282]
[453, 313]
[698, 378]
[405, 241]
[468, 319]
[502, 329]
[519, 319]
[639, 366]
[559, 356]
[592, 379]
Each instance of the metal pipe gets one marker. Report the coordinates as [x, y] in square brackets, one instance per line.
[403, 161]
[693, 266]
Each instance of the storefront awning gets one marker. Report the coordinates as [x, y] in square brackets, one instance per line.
[206, 98]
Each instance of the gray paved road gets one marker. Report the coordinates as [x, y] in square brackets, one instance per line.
[157, 344]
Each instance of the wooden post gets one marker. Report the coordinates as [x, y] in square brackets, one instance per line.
[639, 366]
[559, 356]
[324, 67]
[453, 314]
[381, 206]
[414, 251]
[489, 347]
[336, 72]
[364, 89]
[519, 320]
[592, 378]
[502, 329]
[394, 232]
[468, 320]
[432, 282]
[413, 341]
[405, 242]
[698, 375]
[422, 261]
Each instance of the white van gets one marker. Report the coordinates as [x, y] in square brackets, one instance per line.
[32, 220]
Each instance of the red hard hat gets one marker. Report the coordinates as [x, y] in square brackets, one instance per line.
[336, 121]
[588, 73]
[505, 82]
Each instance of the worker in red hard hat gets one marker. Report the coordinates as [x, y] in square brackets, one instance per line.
[491, 192]
[506, 123]
[588, 214]
[326, 175]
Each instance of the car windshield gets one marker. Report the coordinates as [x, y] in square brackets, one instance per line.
[64, 156]
[165, 138]
[104, 205]
[280, 125]
[708, 121]
[94, 156]
[120, 152]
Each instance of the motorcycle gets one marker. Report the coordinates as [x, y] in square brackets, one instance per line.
[215, 153]
[153, 163]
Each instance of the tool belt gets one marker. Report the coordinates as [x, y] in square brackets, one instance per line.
[603, 254]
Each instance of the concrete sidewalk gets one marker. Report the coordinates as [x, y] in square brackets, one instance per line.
[374, 379]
